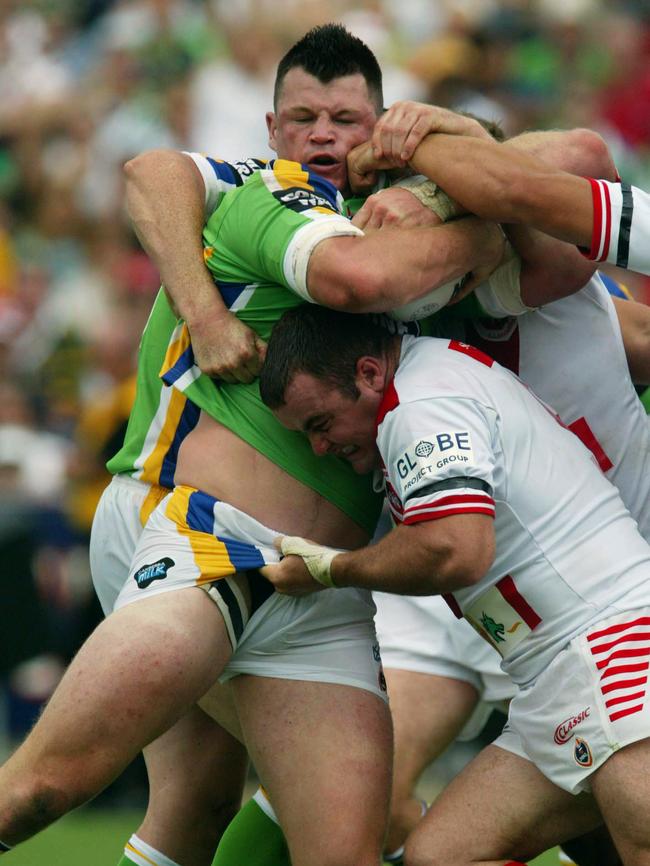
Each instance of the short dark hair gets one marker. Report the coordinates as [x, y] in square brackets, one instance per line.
[324, 343]
[328, 52]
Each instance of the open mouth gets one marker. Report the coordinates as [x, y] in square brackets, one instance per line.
[323, 160]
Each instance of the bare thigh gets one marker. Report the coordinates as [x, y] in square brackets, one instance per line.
[428, 714]
[499, 808]
[140, 671]
[324, 754]
[622, 788]
[196, 778]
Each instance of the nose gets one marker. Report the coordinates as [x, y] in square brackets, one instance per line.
[319, 444]
[322, 129]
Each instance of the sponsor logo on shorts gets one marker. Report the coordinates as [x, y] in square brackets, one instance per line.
[582, 753]
[156, 571]
[382, 680]
[565, 730]
[376, 653]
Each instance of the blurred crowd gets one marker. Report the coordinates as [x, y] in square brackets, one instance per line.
[87, 84]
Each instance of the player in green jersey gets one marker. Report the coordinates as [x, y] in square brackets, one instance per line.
[145, 667]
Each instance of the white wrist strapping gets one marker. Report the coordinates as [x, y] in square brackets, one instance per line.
[316, 557]
[431, 196]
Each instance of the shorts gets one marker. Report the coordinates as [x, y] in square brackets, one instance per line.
[195, 540]
[117, 525]
[420, 633]
[589, 702]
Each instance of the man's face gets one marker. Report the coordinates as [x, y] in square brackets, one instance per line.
[334, 422]
[318, 124]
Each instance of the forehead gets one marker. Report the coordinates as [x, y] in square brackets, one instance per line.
[302, 90]
[305, 397]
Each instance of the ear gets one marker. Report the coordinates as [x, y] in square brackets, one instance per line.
[371, 374]
[272, 126]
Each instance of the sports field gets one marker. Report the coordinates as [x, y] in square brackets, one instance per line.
[91, 837]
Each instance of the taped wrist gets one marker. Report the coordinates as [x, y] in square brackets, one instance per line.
[316, 557]
[431, 196]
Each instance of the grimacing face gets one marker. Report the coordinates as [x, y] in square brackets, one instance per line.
[334, 422]
[318, 124]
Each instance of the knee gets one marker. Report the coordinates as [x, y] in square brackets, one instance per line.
[35, 801]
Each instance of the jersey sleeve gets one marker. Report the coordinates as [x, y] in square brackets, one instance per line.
[266, 230]
[220, 177]
[438, 458]
[621, 231]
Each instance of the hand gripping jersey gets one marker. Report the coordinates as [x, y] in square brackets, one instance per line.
[459, 434]
[161, 417]
[257, 243]
[621, 233]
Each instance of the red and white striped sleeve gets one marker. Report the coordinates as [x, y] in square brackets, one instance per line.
[621, 230]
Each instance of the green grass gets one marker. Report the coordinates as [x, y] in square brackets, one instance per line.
[91, 837]
[88, 837]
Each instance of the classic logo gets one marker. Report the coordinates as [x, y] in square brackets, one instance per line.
[424, 448]
[494, 629]
[582, 753]
[156, 571]
[565, 729]
[302, 199]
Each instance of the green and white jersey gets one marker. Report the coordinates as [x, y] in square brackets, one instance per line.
[257, 245]
[161, 417]
[268, 218]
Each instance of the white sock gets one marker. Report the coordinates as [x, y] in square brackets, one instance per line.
[261, 798]
[144, 855]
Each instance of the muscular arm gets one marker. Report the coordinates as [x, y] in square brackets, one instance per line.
[511, 183]
[165, 200]
[634, 319]
[391, 267]
[426, 558]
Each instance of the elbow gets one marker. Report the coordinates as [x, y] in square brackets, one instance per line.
[466, 565]
[587, 154]
[357, 291]
[152, 163]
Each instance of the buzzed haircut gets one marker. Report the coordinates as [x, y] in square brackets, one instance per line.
[323, 343]
[328, 52]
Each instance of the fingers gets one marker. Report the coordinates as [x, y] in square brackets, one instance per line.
[235, 360]
[400, 130]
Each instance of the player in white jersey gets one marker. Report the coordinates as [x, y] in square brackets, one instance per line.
[504, 512]
[571, 353]
[609, 221]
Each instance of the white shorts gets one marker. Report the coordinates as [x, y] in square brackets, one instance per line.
[422, 634]
[117, 526]
[194, 540]
[589, 702]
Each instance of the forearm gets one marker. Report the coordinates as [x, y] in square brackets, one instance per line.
[165, 201]
[393, 266]
[504, 183]
[402, 563]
